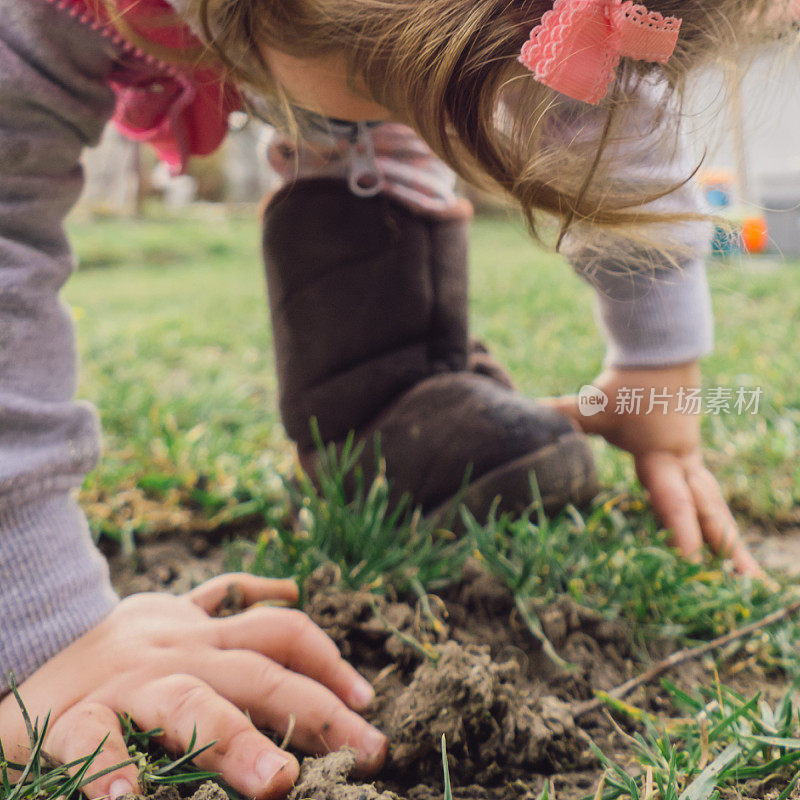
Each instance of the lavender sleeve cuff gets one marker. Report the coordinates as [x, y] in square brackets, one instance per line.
[653, 320]
[54, 582]
[653, 302]
[54, 101]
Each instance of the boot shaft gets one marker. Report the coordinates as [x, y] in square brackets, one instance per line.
[367, 299]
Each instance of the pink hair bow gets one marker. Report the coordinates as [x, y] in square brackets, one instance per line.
[578, 44]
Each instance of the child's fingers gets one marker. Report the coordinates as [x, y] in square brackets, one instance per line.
[78, 732]
[281, 700]
[689, 502]
[186, 709]
[253, 589]
[663, 475]
[745, 563]
[293, 640]
[718, 525]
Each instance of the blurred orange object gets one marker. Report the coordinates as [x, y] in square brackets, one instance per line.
[755, 237]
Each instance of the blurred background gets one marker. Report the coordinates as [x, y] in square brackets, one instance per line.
[750, 154]
[177, 353]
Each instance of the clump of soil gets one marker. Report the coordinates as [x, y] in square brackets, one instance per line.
[326, 779]
[494, 722]
[464, 664]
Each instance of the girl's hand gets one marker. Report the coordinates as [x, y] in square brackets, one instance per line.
[666, 449]
[166, 662]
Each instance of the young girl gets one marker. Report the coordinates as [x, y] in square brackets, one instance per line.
[365, 252]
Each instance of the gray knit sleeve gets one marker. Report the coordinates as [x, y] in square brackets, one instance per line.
[653, 305]
[53, 101]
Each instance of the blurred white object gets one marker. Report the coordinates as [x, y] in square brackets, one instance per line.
[751, 128]
[112, 176]
[248, 177]
[178, 191]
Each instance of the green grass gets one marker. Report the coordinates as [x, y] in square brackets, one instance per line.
[725, 741]
[616, 561]
[613, 559]
[177, 356]
[351, 524]
[176, 350]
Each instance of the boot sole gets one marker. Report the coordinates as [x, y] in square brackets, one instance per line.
[565, 474]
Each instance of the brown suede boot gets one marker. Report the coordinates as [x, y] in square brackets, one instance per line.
[369, 318]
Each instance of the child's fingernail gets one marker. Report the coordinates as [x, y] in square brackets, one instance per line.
[361, 693]
[374, 745]
[269, 765]
[120, 787]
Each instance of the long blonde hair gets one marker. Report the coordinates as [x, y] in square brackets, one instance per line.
[456, 80]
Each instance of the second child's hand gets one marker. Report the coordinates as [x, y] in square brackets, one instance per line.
[667, 453]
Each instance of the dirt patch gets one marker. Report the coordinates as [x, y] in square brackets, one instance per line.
[778, 551]
[207, 791]
[172, 563]
[460, 663]
[463, 664]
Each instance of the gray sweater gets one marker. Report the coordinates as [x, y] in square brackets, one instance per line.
[54, 101]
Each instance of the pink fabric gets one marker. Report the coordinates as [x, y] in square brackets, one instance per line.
[180, 111]
[578, 44]
[388, 158]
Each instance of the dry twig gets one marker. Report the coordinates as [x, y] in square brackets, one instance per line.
[682, 656]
